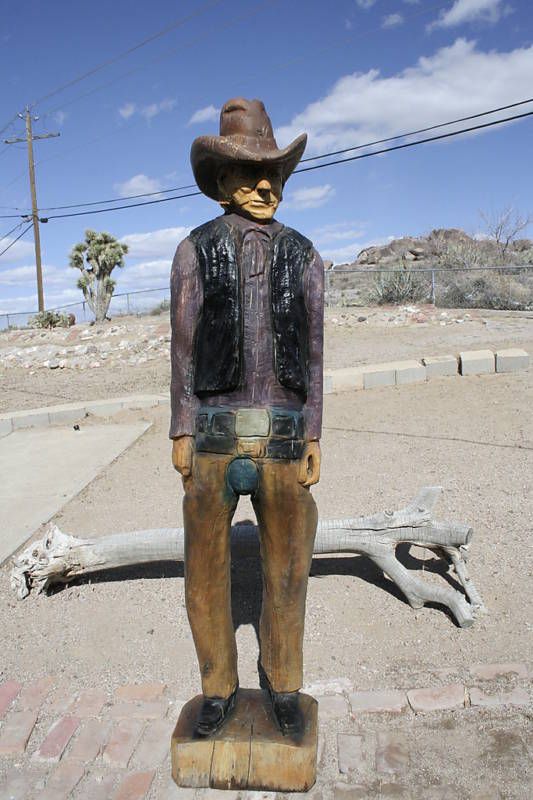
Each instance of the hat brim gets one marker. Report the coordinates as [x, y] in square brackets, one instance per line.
[209, 153]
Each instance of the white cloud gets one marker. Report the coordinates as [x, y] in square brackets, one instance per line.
[155, 247]
[138, 184]
[60, 117]
[365, 3]
[19, 251]
[145, 275]
[310, 197]
[152, 110]
[149, 111]
[52, 276]
[127, 110]
[340, 255]
[348, 253]
[207, 114]
[392, 21]
[338, 231]
[453, 82]
[464, 11]
[161, 243]
[28, 302]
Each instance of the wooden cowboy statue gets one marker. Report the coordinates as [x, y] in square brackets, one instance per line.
[247, 328]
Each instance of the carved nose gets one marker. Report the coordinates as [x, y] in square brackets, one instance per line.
[264, 185]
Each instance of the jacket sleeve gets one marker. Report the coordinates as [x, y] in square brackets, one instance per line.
[314, 297]
[186, 295]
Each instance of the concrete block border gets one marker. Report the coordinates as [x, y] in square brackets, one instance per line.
[511, 360]
[396, 373]
[477, 362]
[369, 376]
[69, 413]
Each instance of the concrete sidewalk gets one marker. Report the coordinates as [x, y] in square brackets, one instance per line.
[42, 469]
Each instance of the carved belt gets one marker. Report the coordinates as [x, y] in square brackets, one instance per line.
[252, 432]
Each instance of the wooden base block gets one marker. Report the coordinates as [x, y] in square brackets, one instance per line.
[249, 751]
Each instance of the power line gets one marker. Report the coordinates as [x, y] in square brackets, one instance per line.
[311, 158]
[176, 24]
[8, 124]
[16, 240]
[278, 65]
[172, 50]
[11, 231]
[417, 142]
[118, 199]
[129, 205]
[320, 166]
[420, 130]
[303, 169]
[235, 20]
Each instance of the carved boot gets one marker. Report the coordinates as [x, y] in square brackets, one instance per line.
[287, 712]
[213, 713]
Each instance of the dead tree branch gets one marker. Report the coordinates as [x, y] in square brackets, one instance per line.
[60, 558]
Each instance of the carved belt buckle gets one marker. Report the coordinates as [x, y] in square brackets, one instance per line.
[252, 422]
[254, 448]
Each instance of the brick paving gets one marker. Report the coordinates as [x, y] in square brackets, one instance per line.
[57, 738]
[8, 691]
[57, 743]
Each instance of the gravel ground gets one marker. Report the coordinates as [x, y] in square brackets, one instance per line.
[473, 436]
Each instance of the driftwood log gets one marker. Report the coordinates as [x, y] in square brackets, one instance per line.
[60, 558]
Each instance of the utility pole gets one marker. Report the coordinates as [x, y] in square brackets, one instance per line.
[34, 209]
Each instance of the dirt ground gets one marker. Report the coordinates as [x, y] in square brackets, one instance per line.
[384, 334]
[472, 436]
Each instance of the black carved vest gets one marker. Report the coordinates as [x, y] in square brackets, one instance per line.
[218, 359]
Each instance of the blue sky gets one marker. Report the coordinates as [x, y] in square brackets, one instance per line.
[345, 72]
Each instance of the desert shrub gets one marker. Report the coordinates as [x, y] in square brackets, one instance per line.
[160, 308]
[402, 286]
[49, 319]
[496, 290]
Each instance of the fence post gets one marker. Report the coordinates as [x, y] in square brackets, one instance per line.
[128, 303]
[7, 320]
[432, 286]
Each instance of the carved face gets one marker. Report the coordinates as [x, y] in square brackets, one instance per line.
[252, 191]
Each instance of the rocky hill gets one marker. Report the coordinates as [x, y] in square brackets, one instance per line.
[446, 247]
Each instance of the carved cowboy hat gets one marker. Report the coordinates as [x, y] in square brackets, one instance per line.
[246, 137]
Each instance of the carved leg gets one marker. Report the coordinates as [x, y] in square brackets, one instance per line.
[208, 508]
[287, 518]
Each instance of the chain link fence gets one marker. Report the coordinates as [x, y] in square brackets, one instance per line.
[506, 287]
[144, 301]
[478, 287]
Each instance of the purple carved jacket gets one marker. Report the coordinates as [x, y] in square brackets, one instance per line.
[260, 387]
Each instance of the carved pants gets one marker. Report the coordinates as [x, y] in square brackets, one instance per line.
[287, 517]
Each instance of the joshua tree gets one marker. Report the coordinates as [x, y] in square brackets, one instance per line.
[96, 258]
